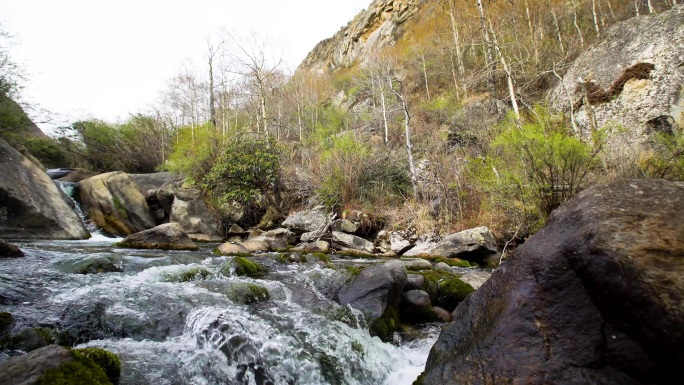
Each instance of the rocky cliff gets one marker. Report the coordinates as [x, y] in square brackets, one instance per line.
[380, 25]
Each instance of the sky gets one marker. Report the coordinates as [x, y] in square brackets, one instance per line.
[108, 59]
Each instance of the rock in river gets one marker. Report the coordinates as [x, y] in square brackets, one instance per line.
[169, 236]
[596, 297]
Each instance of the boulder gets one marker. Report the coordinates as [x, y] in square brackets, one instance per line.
[418, 264]
[633, 78]
[421, 249]
[154, 181]
[58, 365]
[8, 250]
[232, 249]
[352, 242]
[442, 314]
[441, 266]
[307, 220]
[414, 282]
[594, 297]
[189, 211]
[375, 288]
[254, 246]
[313, 247]
[169, 236]
[399, 242]
[416, 308]
[477, 245]
[345, 226]
[115, 204]
[31, 205]
[75, 175]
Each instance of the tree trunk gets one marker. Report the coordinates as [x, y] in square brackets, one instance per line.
[596, 23]
[532, 37]
[489, 56]
[558, 31]
[574, 21]
[409, 146]
[509, 76]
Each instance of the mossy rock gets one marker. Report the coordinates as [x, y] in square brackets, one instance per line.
[6, 321]
[30, 339]
[108, 361]
[323, 257]
[192, 274]
[331, 368]
[455, 262]
[385, 326]
[246, 267]
[248, 293]
[80, 371]
[446, 290]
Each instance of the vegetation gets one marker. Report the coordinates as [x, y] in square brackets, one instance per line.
[244, 266]
[108, 361]
[248, 293]
[192, 274]
[82, 370]
[446, 290]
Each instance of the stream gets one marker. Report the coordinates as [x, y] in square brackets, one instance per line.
[177, 317]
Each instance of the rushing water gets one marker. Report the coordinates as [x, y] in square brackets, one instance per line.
[179, 317]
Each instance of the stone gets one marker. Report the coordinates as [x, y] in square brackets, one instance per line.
[352, 242]
[154, 181]
[232, 249]
[417, 265]
[235, 229]
[475, 277]
[277, 239]
[205, 238]
[634, 78]
[594, 297]
[305, 221]
[31, 205]
[345, 226]
[421, 249]
[398, 242]
[52, 364]
[441, 266]
[254, 246]
[414, 282]
[442, 314]
[189, 211]
[477, 245]
[416, 308]
[313, 247]
[115, 204]
[375, 288]
[8, 250]
[168, 236]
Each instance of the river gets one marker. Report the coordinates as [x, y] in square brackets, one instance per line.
[186, 318]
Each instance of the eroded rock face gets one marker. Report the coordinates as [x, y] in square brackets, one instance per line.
[114, 203]
[31, 205]
[475, 245]
[594, 297]
[633, 77]
[307, 220]
[188, 210]
[169, 236]
[374, 28]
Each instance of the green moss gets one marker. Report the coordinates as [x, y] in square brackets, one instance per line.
[120, 207]
[192, 274]
[446, 290]
[108, 361]
[283, 258]
[81, 371]
[386, 325]
[248, 293]
[419, 380]
[356, 254]
[358, 348]
[331, 369]
[454, 262]
[30, 339]
[321, 257]
[6, 321]
[244, 266]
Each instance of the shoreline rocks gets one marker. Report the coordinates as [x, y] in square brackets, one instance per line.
[169, 236]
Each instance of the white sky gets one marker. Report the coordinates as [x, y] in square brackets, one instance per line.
[109, 58]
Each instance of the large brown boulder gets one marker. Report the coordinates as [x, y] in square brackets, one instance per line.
[114, 203]
[596, 297]
[31, 205]
[169, 236]
[188, 210]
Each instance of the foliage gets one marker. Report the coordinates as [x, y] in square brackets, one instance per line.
[666, 160]
[108, 361]
[194, 151]
[244, 266]
[247, 173]
[81, 370]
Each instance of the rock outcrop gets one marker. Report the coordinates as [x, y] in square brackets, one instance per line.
[8, 250]
[189, 211]
[114, 203]
[633, 77]
[169, 236]
[306, 221]
[375, 288]
[31, 205]
[374, 28]
[594, 297]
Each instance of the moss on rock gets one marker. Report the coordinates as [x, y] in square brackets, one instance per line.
[30, 339]
[248, 293]
[455, 262]
[246, 267]
[81, 371]
[446, 290]
[108, 361]
[386, 325]
[192, 274]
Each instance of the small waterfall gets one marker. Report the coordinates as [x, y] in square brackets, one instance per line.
[70, 189]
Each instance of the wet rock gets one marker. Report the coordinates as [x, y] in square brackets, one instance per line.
[115, 204]
[442, 314]
[417, 265]
[307, 220]
[30, 339]
[416, 308]
[414, 282]
[446, 290]
[375, 288]
[352, 242]
[169, 236]
[31, 205]
[98, 266]
[345, 226]
[58, 365]
[582, 301]
[8, 250]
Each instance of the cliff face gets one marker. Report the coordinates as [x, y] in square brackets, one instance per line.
[380, 25]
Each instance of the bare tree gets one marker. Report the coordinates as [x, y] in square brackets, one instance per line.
[407, 132]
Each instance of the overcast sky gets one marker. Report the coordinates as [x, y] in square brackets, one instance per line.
[110, 58]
